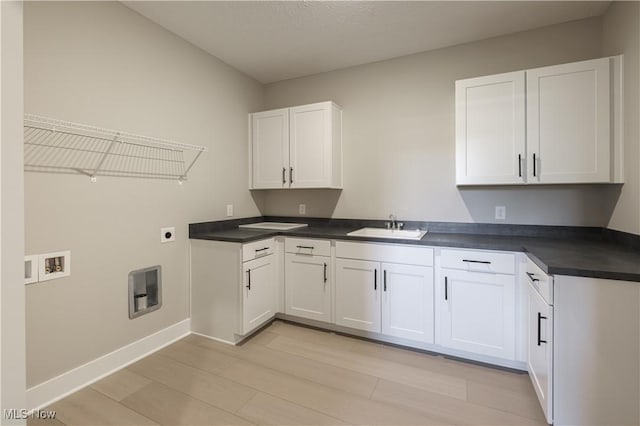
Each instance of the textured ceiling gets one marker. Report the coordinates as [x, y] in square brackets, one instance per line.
[274, 40]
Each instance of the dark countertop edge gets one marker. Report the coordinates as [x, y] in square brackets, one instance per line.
[607, 236]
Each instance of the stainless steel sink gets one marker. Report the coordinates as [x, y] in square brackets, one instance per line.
[401, 234]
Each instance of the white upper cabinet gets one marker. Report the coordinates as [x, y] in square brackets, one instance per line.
[541, 126]
[298, 147]
[270, 148]
[490, 129]
[568, 116]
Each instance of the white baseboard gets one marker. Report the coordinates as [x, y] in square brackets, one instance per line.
[52, 390]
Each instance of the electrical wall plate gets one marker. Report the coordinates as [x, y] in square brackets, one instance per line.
[54, 265]
[31, 269]
[167, 234]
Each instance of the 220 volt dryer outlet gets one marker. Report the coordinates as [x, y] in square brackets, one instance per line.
[168, 234]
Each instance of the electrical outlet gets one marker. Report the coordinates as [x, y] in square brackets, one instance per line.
[167, 235]
[229, 210]
[501, 212]
[302, 209]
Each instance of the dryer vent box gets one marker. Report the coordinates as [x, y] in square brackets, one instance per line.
[145, 291]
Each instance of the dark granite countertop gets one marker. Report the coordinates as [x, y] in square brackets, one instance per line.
[573, 251]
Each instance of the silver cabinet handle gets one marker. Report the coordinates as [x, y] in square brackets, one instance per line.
[284, 177]
[306, 247]
[290, 174]
[484, 262]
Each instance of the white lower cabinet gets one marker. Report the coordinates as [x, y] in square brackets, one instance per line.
[308, 286]
[382, 297]
[259, 290]
[540, 349]
[407, 302]
[357, 294]
[476, 311]
[233, 287]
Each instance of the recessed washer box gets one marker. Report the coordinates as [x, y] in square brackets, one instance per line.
[54, 265]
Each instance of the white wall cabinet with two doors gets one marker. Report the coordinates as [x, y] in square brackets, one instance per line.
[552, 125]
[297, 147]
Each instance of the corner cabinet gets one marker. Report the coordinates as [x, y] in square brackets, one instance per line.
[552, 125]
[297, 147]
[233, 287]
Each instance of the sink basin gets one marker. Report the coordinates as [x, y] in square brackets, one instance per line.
[276, 226]
[402, 234]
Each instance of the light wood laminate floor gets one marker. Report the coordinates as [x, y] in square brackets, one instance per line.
[290, 375]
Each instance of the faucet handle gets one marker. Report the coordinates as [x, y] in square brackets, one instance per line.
[400, 225]
[388, 225]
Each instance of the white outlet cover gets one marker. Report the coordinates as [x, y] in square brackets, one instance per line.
[302, 209]
[229, 210]
[501, 212]
[167, 234]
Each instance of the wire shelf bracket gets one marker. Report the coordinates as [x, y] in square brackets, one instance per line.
[56, 146]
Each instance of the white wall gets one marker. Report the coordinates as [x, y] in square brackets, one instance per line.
[102, 64]
[621, 34]
[399, 139]
[12, 295]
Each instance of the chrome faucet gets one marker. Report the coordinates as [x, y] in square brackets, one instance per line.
[392, 218]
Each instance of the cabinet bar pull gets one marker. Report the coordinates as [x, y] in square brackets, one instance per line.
[262, 249]
[284, 178]
[248, 279]
[385, 280]
[306, 247]
[540, 318]
[519, 165]
[485, 262]
[534, 164]
[290, 174]
[375, 280]
[325, 272]
[532, 277]
[446, 288]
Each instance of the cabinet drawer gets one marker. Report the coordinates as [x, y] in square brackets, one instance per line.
[542, 282]
[258, 249]
[392, 253]
[307, 246]
[478, 261]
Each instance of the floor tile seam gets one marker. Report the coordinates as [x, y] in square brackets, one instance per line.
[189, 396]
[117, 402]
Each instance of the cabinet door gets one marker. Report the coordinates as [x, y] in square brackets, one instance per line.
[540, 349]
[270, 149]
[407, 302]
[568, 114]
[310, 145]
[358, 287]
[308, 286]
[259, 292]
[490, 129]
[477, 312]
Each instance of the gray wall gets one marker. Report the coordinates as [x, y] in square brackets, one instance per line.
[621, 34]
[399, 139]
[105, 65]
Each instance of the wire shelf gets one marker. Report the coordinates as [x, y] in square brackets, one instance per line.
[55, 146]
